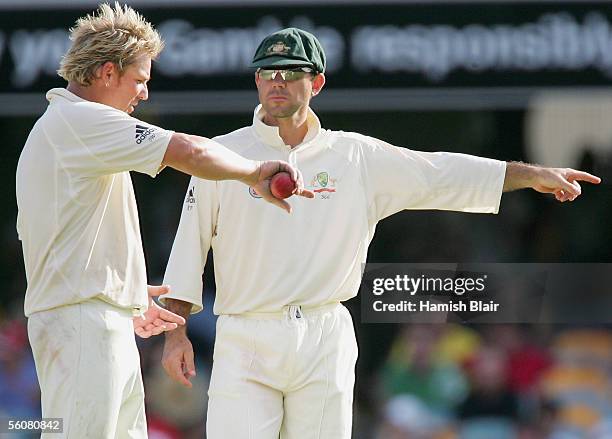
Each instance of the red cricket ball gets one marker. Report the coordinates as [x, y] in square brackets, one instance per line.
[281, 185]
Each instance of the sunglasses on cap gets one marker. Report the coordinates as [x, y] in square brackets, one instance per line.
[291, 74]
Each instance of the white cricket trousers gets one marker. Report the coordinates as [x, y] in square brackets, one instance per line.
[89, 370]
[289, 374]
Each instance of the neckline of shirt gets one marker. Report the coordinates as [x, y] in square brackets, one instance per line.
[64, 93]
[270, 135]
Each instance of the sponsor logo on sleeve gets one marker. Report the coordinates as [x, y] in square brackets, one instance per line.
[144, 132]
[190, 200]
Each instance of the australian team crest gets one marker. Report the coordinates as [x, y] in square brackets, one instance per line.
[278, 48]
[323, 179]
[323, 185]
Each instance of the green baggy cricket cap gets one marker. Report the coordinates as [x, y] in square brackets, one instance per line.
[290, 47]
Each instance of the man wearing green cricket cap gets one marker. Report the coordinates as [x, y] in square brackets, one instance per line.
[290, 47]
[285, 348]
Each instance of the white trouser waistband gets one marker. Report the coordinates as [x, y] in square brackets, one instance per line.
[289, 311]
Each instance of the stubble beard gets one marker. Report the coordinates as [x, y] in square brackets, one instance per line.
[282, 113]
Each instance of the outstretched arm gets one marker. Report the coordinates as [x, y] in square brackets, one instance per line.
[562, 182]
[207, 159]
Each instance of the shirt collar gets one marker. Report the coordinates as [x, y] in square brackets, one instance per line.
[63, 93]
[269, 134]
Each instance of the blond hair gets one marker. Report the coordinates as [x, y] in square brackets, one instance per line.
[119, 35]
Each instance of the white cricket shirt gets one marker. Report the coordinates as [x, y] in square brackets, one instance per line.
[77, 219]
[266, 259]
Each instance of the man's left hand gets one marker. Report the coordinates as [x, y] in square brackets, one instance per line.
[562, 182]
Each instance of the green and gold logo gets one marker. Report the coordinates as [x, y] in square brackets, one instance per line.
[323, 185]
[278, 48]
[323, 178]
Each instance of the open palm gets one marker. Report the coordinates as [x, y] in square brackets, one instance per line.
[156, 319]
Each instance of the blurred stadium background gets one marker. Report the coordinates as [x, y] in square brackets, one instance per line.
[512, 80]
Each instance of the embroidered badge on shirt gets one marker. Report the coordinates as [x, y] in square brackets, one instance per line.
[254, 193]
[323, 185]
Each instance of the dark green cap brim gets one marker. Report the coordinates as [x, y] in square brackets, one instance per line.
[276, 61]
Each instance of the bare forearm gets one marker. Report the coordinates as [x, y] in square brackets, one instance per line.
[519, 176]
[181, 308]
[207, 159]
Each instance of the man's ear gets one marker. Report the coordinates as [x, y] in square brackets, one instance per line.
[106, 71]
[317, 84]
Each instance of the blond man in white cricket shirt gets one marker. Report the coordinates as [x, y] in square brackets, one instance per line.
[87, 291]
[285, 349]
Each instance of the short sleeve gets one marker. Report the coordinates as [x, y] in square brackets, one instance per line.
[93, 139]
[191, 243]
[398, 178]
